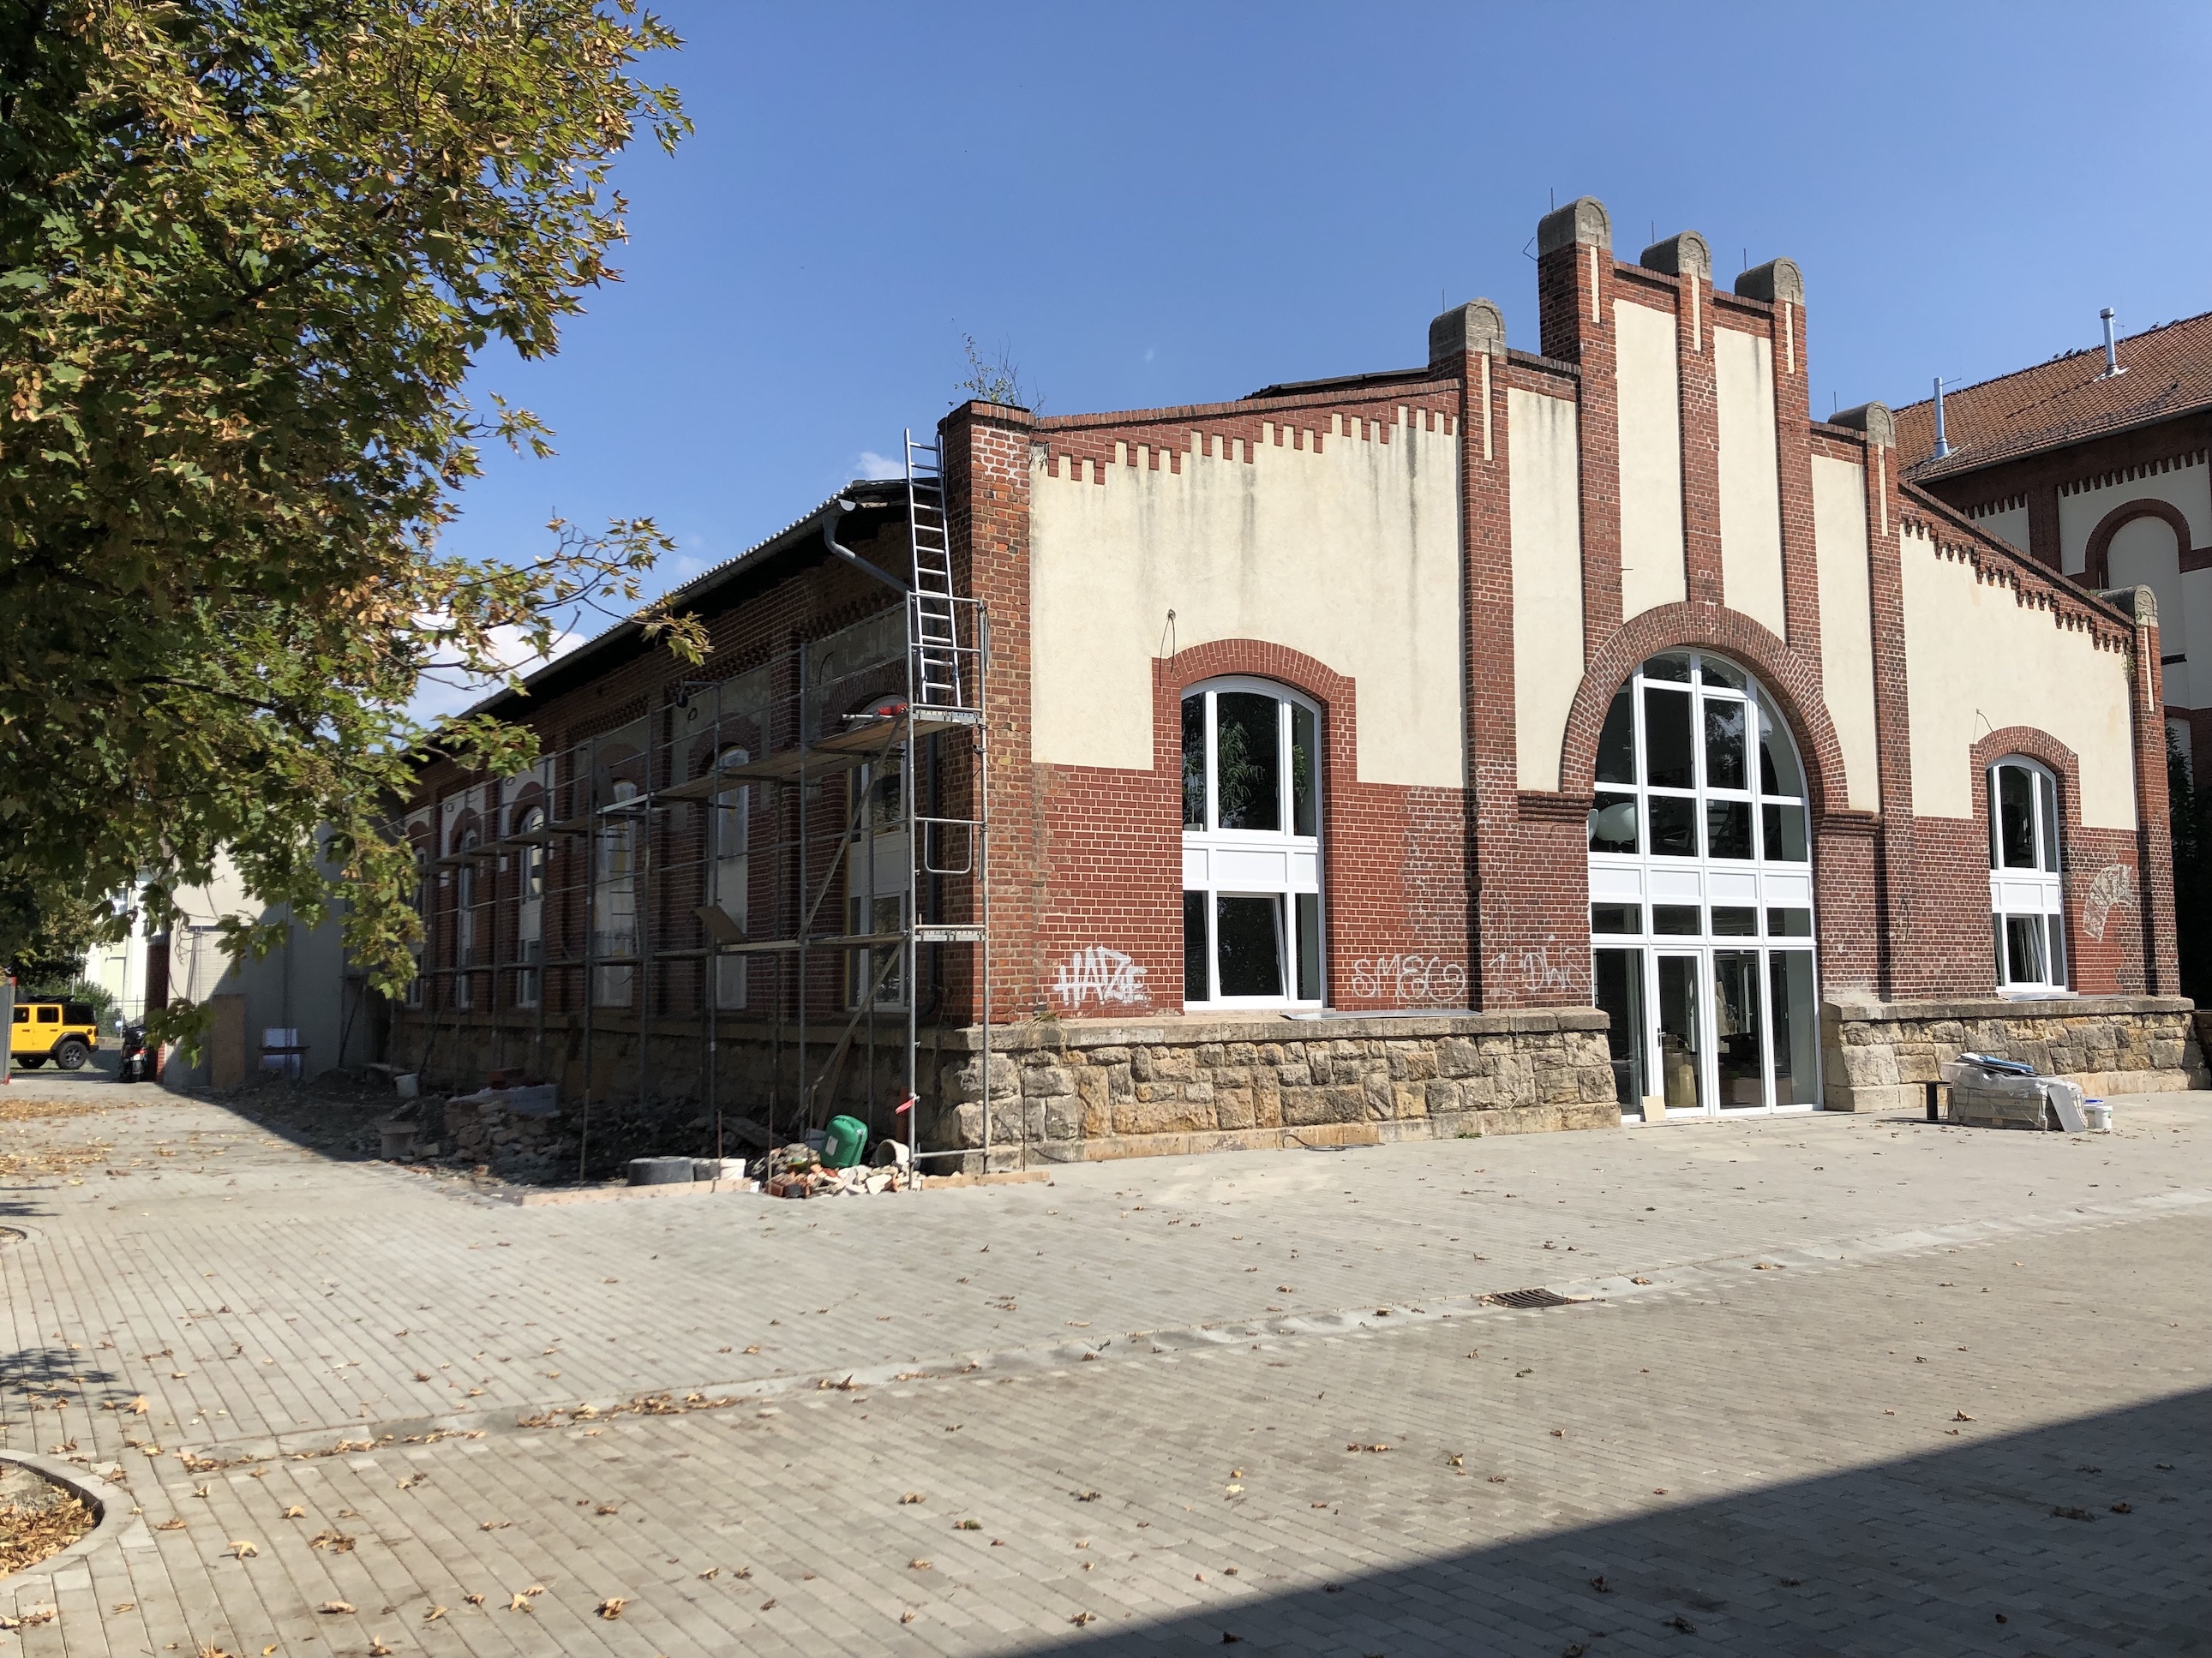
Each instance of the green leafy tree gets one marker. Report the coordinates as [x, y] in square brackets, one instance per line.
[250, 251]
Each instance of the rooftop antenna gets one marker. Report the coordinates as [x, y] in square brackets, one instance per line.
[1943, 443]
[2111, 348]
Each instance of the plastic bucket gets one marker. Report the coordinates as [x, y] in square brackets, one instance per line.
[2098, 1115]
[845, 1141]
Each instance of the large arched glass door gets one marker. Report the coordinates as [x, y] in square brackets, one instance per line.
[1701, 895]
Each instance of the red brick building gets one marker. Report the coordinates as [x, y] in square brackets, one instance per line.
[1519, 739]
[2095, 466]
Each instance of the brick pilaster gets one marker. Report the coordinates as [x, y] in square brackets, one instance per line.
[2161, 964]
[1779, 283]
[1575, 294]
[986, 492]
[1469, 345]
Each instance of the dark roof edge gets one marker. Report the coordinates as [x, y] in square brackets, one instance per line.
[631, 631]
[1930, 467]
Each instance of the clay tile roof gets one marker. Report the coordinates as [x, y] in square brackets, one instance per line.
[2169, 371]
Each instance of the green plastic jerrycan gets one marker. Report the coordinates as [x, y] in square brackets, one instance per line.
[845, 1142]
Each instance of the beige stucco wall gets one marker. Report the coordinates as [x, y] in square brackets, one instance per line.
[2189, 488]
[1839, 549]
[1649, 380]
[1976, 659]
[1547, 580]
[1349, 556]
[1750, 483]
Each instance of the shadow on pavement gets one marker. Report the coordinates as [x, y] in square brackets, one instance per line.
[2087, 1536]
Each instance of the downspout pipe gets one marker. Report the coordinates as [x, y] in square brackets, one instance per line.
[829, 521]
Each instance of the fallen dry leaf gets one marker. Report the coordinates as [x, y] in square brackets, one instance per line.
[138, 1406]
[518, 1603]
[711, 1573]
[913, 1497]
[494, 1525]
[917, 1564]
[611, 1607]
[377, 1649]
[295, 1512]
[241, 1549]
[474, 1599]
[170, 1525]
[1082, 1617]
[767, 1605]
[336, 1607]
[434, 1615]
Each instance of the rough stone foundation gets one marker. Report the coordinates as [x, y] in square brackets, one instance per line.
[1078, 1090]
[1879, 1056]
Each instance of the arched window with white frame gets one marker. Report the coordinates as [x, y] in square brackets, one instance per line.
[1251, 846]
[1702, 938]
[619, 836]
[2028, 886]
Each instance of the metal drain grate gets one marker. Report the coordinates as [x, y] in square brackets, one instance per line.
[1526, 1298]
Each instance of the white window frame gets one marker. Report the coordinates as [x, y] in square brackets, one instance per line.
[1775, 889]
[618, 837]
[1279, 864]
[2020, 897]
[877, 871]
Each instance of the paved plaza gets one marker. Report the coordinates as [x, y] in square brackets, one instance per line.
[1824, 1384]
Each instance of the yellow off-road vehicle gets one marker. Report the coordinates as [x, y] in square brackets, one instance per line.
[67, 1032]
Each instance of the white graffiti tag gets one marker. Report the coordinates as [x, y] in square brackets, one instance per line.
[1097, 974]
[1411, 981]
[1539, 973]
[2110, 888]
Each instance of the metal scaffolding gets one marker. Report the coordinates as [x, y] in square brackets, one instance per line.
[790, 863]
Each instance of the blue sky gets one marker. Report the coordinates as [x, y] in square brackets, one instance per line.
[1151, 205]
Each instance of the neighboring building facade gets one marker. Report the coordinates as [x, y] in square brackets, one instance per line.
[1519, 740]
[2102, 475]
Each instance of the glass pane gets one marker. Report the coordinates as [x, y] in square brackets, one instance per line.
[1193, 761]
[1616, 742]
[1197, 975]
[1667, 760]
[2024, 949]
[1616, 918]
[2047, 798]
[2016, 817]
[1250, 944]
[1715, 671]
[1784, 824]
[1613, 823]
[1789, 923]
[1674, 665]
[1731, 922]
[1727, 829]
[1740, 1058]
[2054, 927]
[1778, 770]
[1678, 1045]
[1725, 744]
[1673, 826]
[1675, 920]
[1797, 1028]
[1620, 979]
[1305, 771]
[1247, 761]
[1309, 946]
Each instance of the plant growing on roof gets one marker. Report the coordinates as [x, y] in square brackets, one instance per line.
[250, 251]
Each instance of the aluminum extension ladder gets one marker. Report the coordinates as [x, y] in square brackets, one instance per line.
[936, 644]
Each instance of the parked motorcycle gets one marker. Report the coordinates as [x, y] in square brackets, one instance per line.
[137, 1064]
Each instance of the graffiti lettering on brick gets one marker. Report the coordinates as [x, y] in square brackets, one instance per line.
[1410, 981]
[1102, 975]
[2111, 888]
[1536, 969]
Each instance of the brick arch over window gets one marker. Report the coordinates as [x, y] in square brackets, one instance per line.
[1174, 675]
[1792, 677]
[2046, 751]
[2097, 571]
